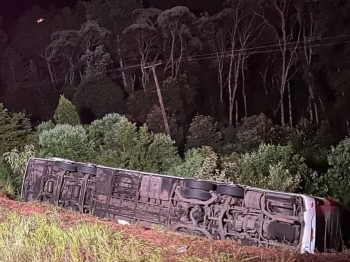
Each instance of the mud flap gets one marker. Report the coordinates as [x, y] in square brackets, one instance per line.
[57, 193]
[83, 193]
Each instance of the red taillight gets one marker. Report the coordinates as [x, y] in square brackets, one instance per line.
[312, 235]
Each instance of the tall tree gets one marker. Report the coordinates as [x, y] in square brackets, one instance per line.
[278, 16]
[177, 25]
[309, 18]
[145, 36]
[331, 67]
[3, 40]
[63, 53]
[114, 15]
[14, 70]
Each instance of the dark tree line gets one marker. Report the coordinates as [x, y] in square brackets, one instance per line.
[284, 58]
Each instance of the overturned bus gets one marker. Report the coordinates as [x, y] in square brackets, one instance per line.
[247, 215]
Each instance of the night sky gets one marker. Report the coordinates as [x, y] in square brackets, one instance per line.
[10, 10]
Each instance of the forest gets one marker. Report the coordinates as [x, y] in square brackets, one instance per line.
[252, 92]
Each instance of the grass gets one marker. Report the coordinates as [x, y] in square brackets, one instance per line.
[42, 232]
[47, 237]
[44, 238]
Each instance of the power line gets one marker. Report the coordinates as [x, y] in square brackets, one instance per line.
[207, 56]
[261, 47]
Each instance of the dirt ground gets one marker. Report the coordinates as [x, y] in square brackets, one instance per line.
[178, 246]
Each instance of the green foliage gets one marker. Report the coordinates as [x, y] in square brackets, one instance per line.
[18, 160]
[311, 143]
[15, 130]
[9, 184]
[97, 63]
[208, 167]
[272, 167]
[126, 146]
[252, 132]
[99, 128]
[155, 123]
[45, 126]
[161, 154]
[12, 168]
[14, 70]
[99, 97]
[178, 96]
[203, 132]
[188, 168]
[66, 113]
[316, 184]
[66, 141]
[199, 163]
[338, 177]
[229, 167]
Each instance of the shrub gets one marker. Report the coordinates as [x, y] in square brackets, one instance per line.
[199, 163]
[66, 141]
[155, 123]
[192, 162]
[18, 160]
[45, 126]
[272, 167]
[15, 130]
[229, 167]
[13, 168]
[97, 97]
[161, 154]
[99, 128]
[66, 113]
[338, 177]
[9, 185]
[126, 146]
[203, 132]
[253, 131]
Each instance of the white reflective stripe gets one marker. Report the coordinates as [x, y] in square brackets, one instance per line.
[123, 222]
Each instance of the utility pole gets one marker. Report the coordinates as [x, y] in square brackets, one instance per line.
[160, 98]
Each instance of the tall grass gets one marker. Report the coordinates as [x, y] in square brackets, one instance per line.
[44, 238]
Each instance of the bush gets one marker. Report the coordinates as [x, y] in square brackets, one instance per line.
[18, 160]
[161, 154]
[99, 128]
[97, 97]
[15, 130]
[126, 146]
[188, 168]
[45, 126]
[66, 141]
[155, 123]
[199, 163]
[338, 177]
[13, 168]
[9, 184]
[66, 113]
[252, 132]
[272, 167]
[203, 132]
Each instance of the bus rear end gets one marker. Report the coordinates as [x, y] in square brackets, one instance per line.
[328, 225]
